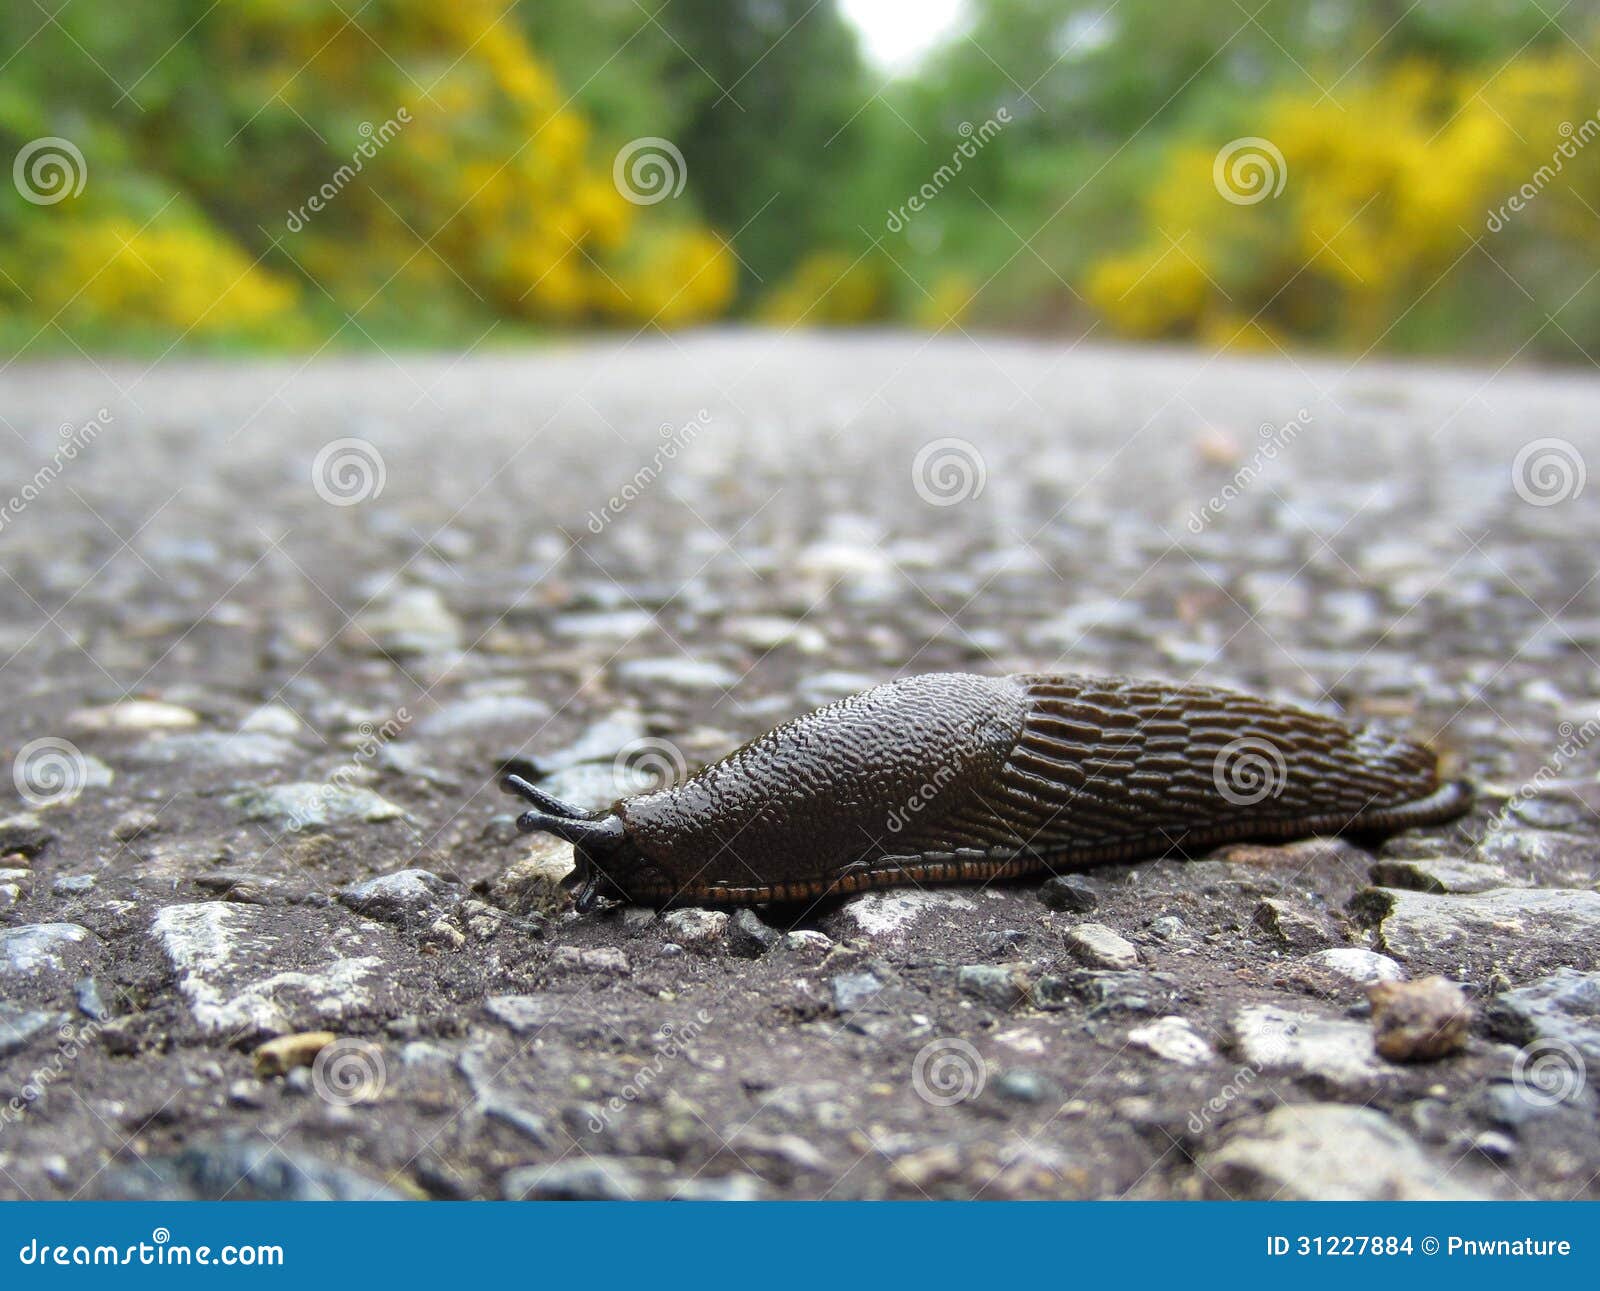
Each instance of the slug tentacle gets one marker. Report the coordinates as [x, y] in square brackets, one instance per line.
[955, 777]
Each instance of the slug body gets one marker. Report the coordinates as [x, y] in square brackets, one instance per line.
[955, 777]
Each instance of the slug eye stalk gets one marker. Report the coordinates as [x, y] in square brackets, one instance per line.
[563, 819]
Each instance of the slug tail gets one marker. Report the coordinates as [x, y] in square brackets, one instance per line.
[1449, 801]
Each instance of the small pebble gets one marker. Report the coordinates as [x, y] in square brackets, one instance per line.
[1419, 1021]
[1097, 946]
[1071, 893]
[279, 1056]
[698, 930]
[805, 945]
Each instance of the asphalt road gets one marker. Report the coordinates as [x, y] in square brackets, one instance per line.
[268, 628]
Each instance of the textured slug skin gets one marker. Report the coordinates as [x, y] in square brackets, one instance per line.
[956, 776]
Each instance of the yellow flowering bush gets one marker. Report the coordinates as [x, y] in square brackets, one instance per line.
[829, 287]
[381, 169]
[1383, 194]
[486, 172]
[176, 274]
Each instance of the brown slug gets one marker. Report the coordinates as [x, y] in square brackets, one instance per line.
[956, 777]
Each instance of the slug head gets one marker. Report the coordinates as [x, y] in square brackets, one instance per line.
[605, 858]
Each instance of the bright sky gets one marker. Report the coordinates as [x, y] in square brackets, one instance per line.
[896, 33]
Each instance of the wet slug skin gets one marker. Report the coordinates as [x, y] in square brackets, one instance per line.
[953, 777]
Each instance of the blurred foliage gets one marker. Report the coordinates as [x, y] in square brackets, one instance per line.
[294, 172]
[264, 169]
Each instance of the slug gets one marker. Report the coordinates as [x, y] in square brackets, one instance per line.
[956, 777]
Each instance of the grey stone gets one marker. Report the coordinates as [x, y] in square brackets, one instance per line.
[24, 834]
[1023, 1085]
[697, 930]
[90, 1002]
[309, 805]
[1548, 811]
[609, 1178]
[805, 946]
[135, 715]
[766, 632]
[1334, 1053]
[134, 823]
[213, 749]
[1174, 1039]
[402, 897]
[1071, 893]
[412, 621]
[1564, 1006]
[45, 956]
[483, 713]
[898, 916]
[19, 1027]
[533, 883]
[246, 971]
[1506, 926]
[1518, 850]
[748, 936]
[600, 625]
[677, 673]
[594, 786]
[1000, 985]
[1103, 992]
[1354, 964]
[1097, 946]
[1292, 925]
[274, 719]
[604, 960]
[1004, 941]
[1327, 1152]
[526, 1014]
[241, 1169]
[599, 742]
[252, 889]
[853, 991]
[1441, 874]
